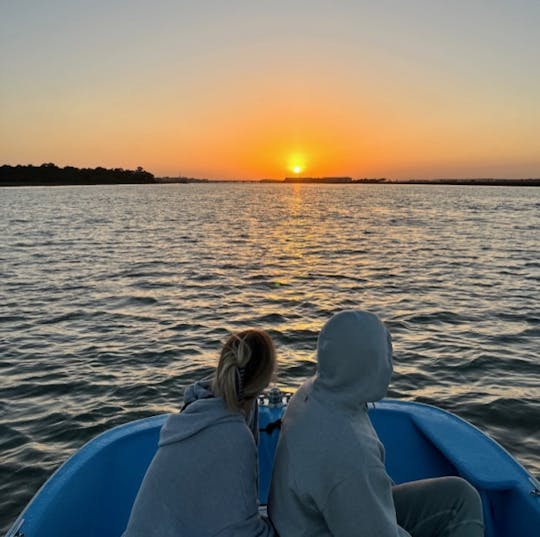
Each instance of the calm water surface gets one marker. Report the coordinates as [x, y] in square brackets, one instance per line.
[113, 299]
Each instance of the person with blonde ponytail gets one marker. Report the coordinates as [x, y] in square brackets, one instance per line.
[202, 481]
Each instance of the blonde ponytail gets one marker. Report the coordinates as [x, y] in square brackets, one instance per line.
[246, 365]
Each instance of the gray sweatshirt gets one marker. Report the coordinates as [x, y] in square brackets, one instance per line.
[329, 477]
[202, 481]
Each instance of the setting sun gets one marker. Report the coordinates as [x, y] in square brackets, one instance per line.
[298, 103]
[296, 162]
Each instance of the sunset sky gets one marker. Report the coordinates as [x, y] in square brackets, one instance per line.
[251, 89]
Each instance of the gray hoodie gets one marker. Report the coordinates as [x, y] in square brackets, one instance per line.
[329, 477]
[202, 481]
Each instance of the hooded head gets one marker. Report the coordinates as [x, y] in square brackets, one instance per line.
[354, 356]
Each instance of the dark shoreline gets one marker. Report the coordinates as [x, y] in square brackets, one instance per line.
[458, 182]
[450, 182]
[481, 181]
[471, 182]
[52, 175]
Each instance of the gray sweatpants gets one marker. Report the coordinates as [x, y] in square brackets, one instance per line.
[440, 507]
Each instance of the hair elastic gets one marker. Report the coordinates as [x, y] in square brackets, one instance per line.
[239, 379]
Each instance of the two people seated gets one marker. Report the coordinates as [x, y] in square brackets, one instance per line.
[329, 477]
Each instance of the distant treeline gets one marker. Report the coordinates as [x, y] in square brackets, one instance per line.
[475, 182]
[50, 174]
[182, 179]
[331, 180]
[463, 182]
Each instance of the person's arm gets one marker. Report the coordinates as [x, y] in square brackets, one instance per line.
[252, 527]
[362, 504]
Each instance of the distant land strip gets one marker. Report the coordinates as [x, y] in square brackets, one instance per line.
[383, 180]
[52, 175]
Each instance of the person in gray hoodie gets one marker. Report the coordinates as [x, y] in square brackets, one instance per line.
[329, 477]
[202, 482]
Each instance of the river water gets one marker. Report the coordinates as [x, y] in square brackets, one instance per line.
[114, 298]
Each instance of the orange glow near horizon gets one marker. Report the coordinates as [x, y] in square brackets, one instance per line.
[254, 94]
[338, 130]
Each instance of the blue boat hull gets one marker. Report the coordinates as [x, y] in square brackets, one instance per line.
[92, 493]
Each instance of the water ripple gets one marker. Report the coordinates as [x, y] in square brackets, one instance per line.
[113, 299]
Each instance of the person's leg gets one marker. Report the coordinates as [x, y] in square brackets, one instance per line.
[440, 507]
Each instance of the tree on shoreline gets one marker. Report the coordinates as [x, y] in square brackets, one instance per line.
[50, 174]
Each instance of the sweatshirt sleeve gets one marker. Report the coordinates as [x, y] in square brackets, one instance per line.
[362, 504]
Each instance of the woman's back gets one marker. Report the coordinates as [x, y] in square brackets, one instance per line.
[202, 480]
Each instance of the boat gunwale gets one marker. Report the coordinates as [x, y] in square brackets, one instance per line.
[421, 414]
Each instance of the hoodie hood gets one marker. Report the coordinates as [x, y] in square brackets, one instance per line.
[202, 389]
[201, 410]
[354, 356]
